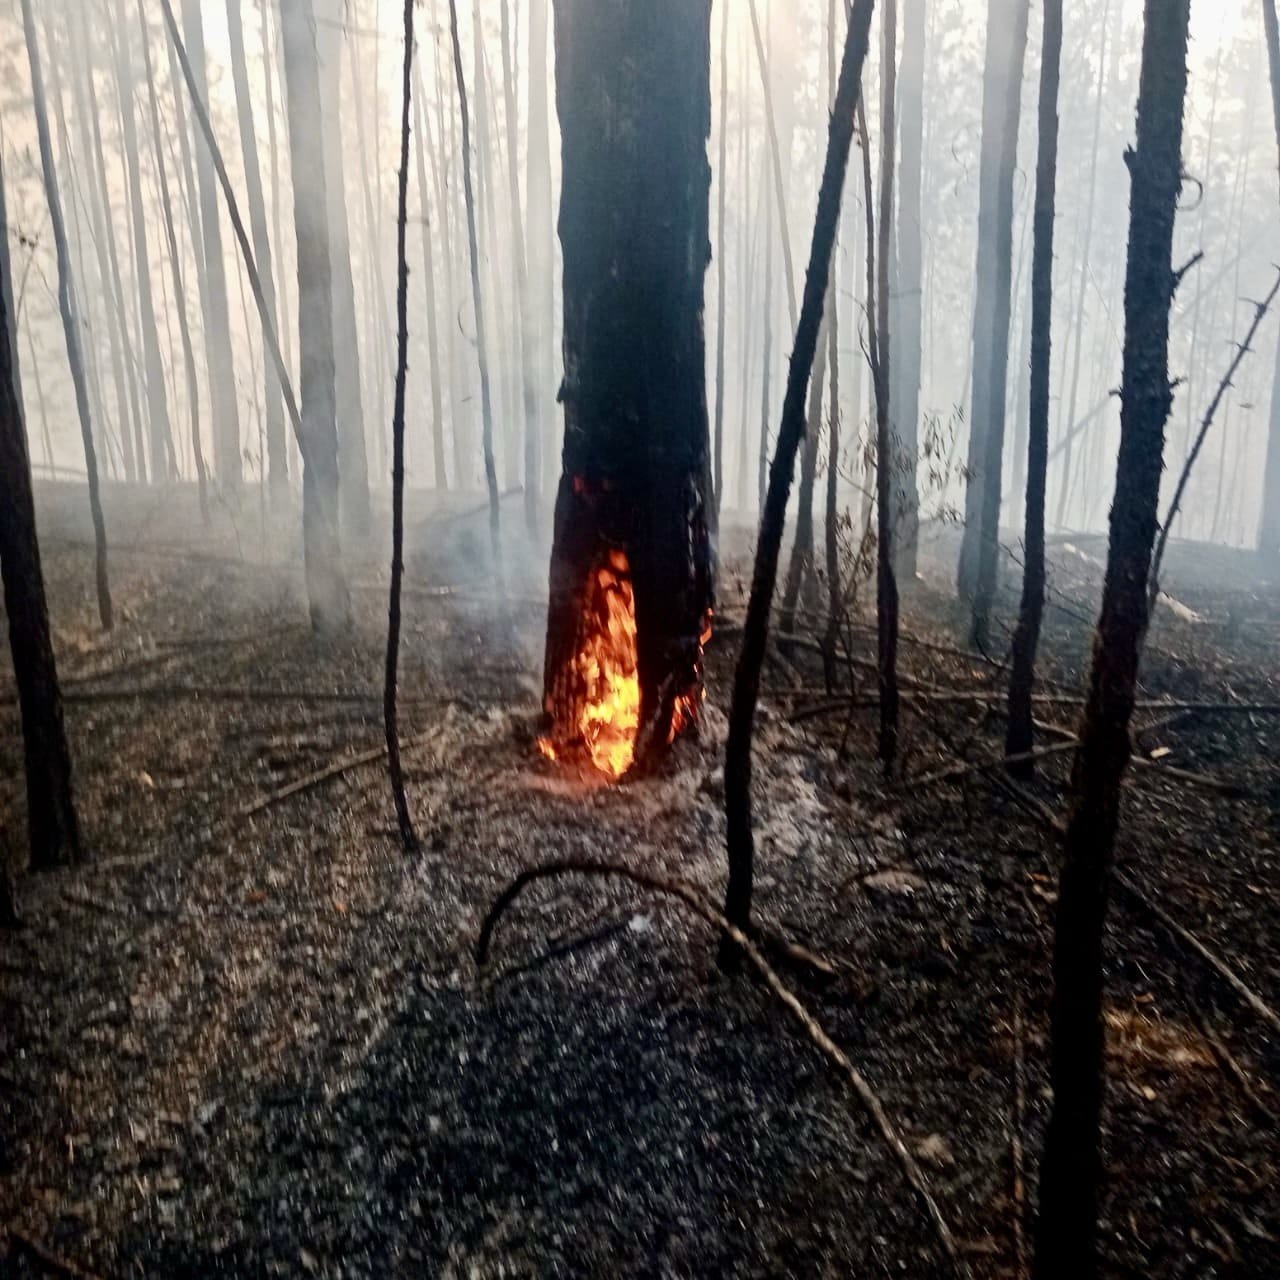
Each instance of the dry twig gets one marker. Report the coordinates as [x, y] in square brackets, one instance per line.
[825, 1045]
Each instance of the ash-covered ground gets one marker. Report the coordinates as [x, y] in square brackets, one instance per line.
[249, 1038]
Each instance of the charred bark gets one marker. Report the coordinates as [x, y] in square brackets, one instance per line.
[51, 814]
[1071, 1172]
[1027, 636]
[746, 684]
[722, 175]
[390, 718]
[67, 309]
[635, 488]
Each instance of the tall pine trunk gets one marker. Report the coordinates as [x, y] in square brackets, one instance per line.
[722, 177]
[277, 454]
[1001, 96]
[326, 586]
[635, 495]
[909, 287]
[51, 814]
[222, 382]
[1071, 1170]
[175, 267]
[353, 459]
[67, 309]
[159, 436]
[1027, 636]
[1269, 526]
[439, 473]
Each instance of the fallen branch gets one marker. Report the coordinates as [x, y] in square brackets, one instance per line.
[984, 766]
[1232, 1068]
[332, 770]
[694, 901]
[1193, 944]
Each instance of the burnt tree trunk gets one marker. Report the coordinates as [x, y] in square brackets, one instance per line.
[755, 634]
[634, 215]
[51, 815]
[1071, 1172]
[1027, 636]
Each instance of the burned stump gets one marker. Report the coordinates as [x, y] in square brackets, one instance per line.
[631, 578]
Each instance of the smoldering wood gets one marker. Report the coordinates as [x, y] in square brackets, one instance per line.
[634, 231]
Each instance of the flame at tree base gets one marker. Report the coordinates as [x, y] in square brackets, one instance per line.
[606, 670]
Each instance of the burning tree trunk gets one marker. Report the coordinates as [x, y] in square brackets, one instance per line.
[1071, 1175]
[1027, 636]
[631, 563]
[746, 682]
[67, 308]
[51, 815]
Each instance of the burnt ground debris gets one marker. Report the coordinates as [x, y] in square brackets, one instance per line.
[256, 1043]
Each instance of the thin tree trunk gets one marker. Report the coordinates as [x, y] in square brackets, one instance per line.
[1076, 332]
[766, 401]
[775, 151]
[1019, 739]
[746, 684]
[405, 822]
[318, 428]
[835, 607]
[907, 329]
[486, 402]
[51, 815]
[524, 308]
[722, 177]
[886, 578]
[1071, 1170]
[175, 269]
[7, 297]
[277, 453]
[222, 382]
[541, 254]
[980, 549]
[273, 160]
[429, 275]
[103, 237]
[67, 308]
[353, 458]
[1269, 524]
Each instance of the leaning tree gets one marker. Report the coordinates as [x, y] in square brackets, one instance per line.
[631, 561]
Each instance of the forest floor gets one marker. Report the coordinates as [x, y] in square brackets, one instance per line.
[248, 1036]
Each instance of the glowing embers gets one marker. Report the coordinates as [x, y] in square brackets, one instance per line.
[607, 667]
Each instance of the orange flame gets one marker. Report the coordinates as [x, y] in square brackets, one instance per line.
[607, 663]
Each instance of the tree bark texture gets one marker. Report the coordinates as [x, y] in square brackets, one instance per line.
[1071, 1171]
[633, 94]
